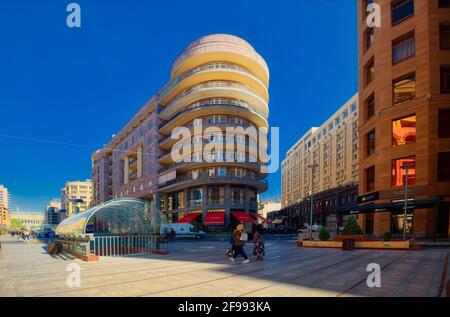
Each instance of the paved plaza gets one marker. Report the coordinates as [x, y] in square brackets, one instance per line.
[200, 268]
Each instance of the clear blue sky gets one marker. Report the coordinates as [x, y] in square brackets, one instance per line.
[80, 86]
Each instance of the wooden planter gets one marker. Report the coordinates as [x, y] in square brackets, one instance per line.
[349, 237]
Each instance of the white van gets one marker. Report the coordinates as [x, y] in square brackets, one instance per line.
[183, 230]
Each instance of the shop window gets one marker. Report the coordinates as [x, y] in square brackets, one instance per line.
[404, 88]
[399, 173]
[404, 131]
[443, 167]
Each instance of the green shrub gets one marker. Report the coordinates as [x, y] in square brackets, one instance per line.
[387, 236]
[324, 235]
[352, 227]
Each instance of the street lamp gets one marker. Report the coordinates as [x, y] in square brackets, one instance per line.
[311, 166]
[406, 167]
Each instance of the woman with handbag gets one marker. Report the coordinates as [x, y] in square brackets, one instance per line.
[239, 238]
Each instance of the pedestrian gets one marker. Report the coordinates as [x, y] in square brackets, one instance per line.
[259, 248]
[239, 239]
[173, 234]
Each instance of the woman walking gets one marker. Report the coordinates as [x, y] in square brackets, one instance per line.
[239, 239]
[259, 248]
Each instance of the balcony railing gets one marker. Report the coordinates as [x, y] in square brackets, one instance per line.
[206, 123]
[218, 159]
[213, 103]
[208, 84]
[203, 178]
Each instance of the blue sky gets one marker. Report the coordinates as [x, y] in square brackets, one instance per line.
[80, 86]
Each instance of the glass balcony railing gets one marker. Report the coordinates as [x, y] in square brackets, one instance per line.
[208, 67]
[205, 177]
[206, 85]
[213, 103]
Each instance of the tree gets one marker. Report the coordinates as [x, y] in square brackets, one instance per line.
[16, 224]
[324, 235]
[352, 227]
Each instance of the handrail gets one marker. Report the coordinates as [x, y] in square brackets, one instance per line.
[208, 84]
[188, 177]
[205, 104]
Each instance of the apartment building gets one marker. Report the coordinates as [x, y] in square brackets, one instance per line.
[218, 81]
[76, 197]
[5, 217]
[5, 198]
[404, 116]
[328, 154]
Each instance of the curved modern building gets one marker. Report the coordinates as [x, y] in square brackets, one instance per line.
[219, 83]
[217, 92]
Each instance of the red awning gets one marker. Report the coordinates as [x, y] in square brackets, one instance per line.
[243, 216]
[215, 218]
[263, 219]
[189, 217]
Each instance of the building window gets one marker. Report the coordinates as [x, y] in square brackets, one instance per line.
[443, 171]
[194, 196]
[370, 37]
[370, 106]
[404, 88]
[445, 79]
[216, 195]
[399, 173]
[370, 179]
[403, 49]
[444, 3]
[404, 131]
[443, 123]
[444, 36]
[370, 72]
[402, 10]
[370, 139]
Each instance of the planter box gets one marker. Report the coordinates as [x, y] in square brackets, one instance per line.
[382, 245]
[161, 252]
[389, 245]
[349, 237]
[322, 244]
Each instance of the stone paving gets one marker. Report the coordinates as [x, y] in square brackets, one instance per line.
[200, 268]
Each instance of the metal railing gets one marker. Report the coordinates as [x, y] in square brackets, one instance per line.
[213, 103]
[124, 245]
[211, 84]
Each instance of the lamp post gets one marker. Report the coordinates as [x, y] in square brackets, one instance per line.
[311, 166]
[406, 167]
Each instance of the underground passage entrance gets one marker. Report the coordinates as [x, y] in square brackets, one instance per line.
[117, 227]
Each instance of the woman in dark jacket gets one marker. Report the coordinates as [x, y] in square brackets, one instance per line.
[259, 248]
[239, 244]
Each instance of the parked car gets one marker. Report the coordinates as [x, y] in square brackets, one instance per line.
[183, 230]
[305, 228]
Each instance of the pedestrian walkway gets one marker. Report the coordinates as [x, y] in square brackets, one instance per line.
[200, 268]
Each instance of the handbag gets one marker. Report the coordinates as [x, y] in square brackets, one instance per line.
[244, 236]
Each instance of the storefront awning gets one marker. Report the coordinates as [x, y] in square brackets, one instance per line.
[263, 219]
[394, 207]
[189, 217]
[215, 219]
[243, 217]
